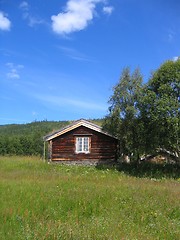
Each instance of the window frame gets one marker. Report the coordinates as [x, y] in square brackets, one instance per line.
[83, 146]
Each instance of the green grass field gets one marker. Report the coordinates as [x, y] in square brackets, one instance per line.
[48, 201]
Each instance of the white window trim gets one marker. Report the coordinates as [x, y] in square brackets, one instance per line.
[76, 145]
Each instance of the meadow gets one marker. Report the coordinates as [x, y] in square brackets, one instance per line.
[51, 201]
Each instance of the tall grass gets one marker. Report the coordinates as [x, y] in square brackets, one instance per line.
[41, 201]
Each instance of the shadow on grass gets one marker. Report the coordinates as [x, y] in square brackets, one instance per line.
[145, 170]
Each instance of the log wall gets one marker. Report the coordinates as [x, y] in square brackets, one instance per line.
[102, 147]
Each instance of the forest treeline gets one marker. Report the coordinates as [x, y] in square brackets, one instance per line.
[27, 139]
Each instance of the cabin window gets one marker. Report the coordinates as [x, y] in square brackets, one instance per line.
[82, 144]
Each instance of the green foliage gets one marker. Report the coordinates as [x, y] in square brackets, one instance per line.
[26, 139]
[51, 201]
[123, 118]
[160, 109]
[146, 118]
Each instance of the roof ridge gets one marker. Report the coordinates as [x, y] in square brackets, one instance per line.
[76, 124]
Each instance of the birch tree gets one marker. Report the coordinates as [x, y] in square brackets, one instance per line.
[123, 117]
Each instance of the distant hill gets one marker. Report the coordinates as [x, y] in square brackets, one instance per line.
[27, 139]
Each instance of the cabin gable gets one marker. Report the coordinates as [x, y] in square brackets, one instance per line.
[82, 144]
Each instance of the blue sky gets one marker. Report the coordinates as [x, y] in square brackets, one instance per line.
[59, 59]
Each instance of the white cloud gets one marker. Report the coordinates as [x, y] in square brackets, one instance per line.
[34, 113]
[13, 72]
[76, 16]
[34, 21]
[5, 23]
[171, 34]
[176, 58]
[108, 10]
[170, 37]
[25, 8]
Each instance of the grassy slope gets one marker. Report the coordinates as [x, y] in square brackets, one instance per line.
[41, 201]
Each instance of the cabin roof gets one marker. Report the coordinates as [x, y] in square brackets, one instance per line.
[74, 125]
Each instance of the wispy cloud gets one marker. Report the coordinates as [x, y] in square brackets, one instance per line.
[32, 20]
[5, 23]
[76, 16]
[74, 54]
[170, 35]
[24, 6]
[60, 101]
[175, 58]
[108, 10]
[34, 113]
[13, 72]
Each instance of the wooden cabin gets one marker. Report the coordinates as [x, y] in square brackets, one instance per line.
[81, 142]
